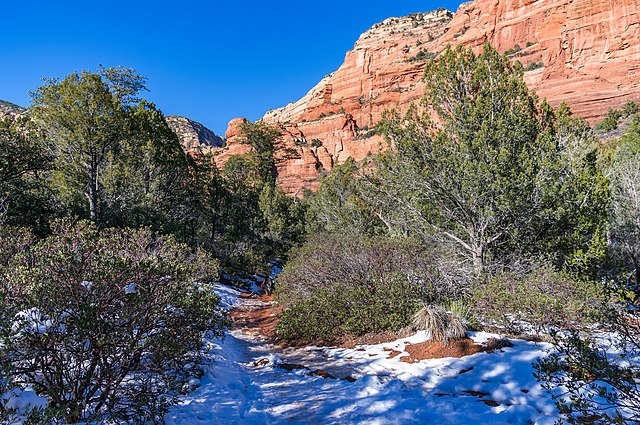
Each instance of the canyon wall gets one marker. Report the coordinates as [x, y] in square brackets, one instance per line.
[583, 52]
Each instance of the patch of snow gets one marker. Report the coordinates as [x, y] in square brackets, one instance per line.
[131, 288]
[247, 384]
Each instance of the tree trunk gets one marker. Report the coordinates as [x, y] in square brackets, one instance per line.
[478, 259]
[93, 189]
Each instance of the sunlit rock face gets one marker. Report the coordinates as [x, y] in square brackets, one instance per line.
[192, 134]
[583, 52]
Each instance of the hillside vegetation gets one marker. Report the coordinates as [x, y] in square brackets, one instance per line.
[492, 211]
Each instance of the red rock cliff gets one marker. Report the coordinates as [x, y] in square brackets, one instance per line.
[584, 52]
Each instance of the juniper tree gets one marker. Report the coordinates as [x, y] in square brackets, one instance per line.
[483, 167]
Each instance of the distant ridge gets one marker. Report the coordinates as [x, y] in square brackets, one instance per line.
[192, 134]
[10, 110]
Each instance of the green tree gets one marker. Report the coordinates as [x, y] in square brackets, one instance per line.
[85, 118]
[263, 138]
[146, 174]
[339, 205]
[23, 165]
[486, 173]
[625, 217]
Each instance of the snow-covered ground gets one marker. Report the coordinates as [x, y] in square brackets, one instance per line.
[245, 385]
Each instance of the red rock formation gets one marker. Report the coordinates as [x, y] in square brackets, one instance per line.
[233, 145]
[585, 52]
[589, 49]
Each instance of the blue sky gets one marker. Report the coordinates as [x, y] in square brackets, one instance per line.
[210, 60]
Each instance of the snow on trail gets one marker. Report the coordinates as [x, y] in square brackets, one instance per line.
[480, 389]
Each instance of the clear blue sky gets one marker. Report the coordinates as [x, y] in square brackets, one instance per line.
[208, 60]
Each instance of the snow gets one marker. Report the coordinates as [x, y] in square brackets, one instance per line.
[131, 288]
[245, 385]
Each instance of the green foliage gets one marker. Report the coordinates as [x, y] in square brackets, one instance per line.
[541, 298]
[338, 285]
[514, 49]
[610, 123]
[332, 312]
[463, 309]
[316, 143]
[422, 56]
[494, 172]
[630, 108]
[24, 199]
[589, 384]
[283, 216]
[625, 211]
[534, 65]
[239, 212]
[129, 307]
[262, 138]
[84, 122]
[338, 206]
[146, 174]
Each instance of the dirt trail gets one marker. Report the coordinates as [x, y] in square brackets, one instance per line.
[255, 316]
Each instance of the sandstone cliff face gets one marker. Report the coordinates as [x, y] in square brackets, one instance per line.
[589, 49]
[334, 120]
[193, 135]
[584, 52]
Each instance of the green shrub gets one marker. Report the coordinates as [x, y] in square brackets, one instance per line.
[333, 312]
[610, 123]
[422, 56]
[514, 49]
[533, 65]
[464, 311]
[316, 143]
[107, 325]
[338, 285]
[542, 298]
[631, 108]
[592, 380]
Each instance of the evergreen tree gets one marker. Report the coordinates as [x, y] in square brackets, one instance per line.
[24, 199]
[625, 220]
[85, 117]
[488, 172]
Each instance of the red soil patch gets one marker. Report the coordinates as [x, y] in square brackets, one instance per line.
[437, 350]
[373, 339]
[393, 353]
[259, 318]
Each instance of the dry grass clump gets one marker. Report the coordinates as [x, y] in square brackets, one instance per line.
[441, 325]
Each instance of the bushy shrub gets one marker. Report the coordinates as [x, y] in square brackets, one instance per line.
[337, 285]
[107, 325]
[631, 108]
[541, 298]
[610, 123]
[333, 312]
[328, 259]
[594, 380]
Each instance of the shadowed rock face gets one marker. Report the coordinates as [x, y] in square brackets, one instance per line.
[193, 135]
[584, 52]
[10, 110]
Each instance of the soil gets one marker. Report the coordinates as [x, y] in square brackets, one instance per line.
[257, 318]
[436, 350]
